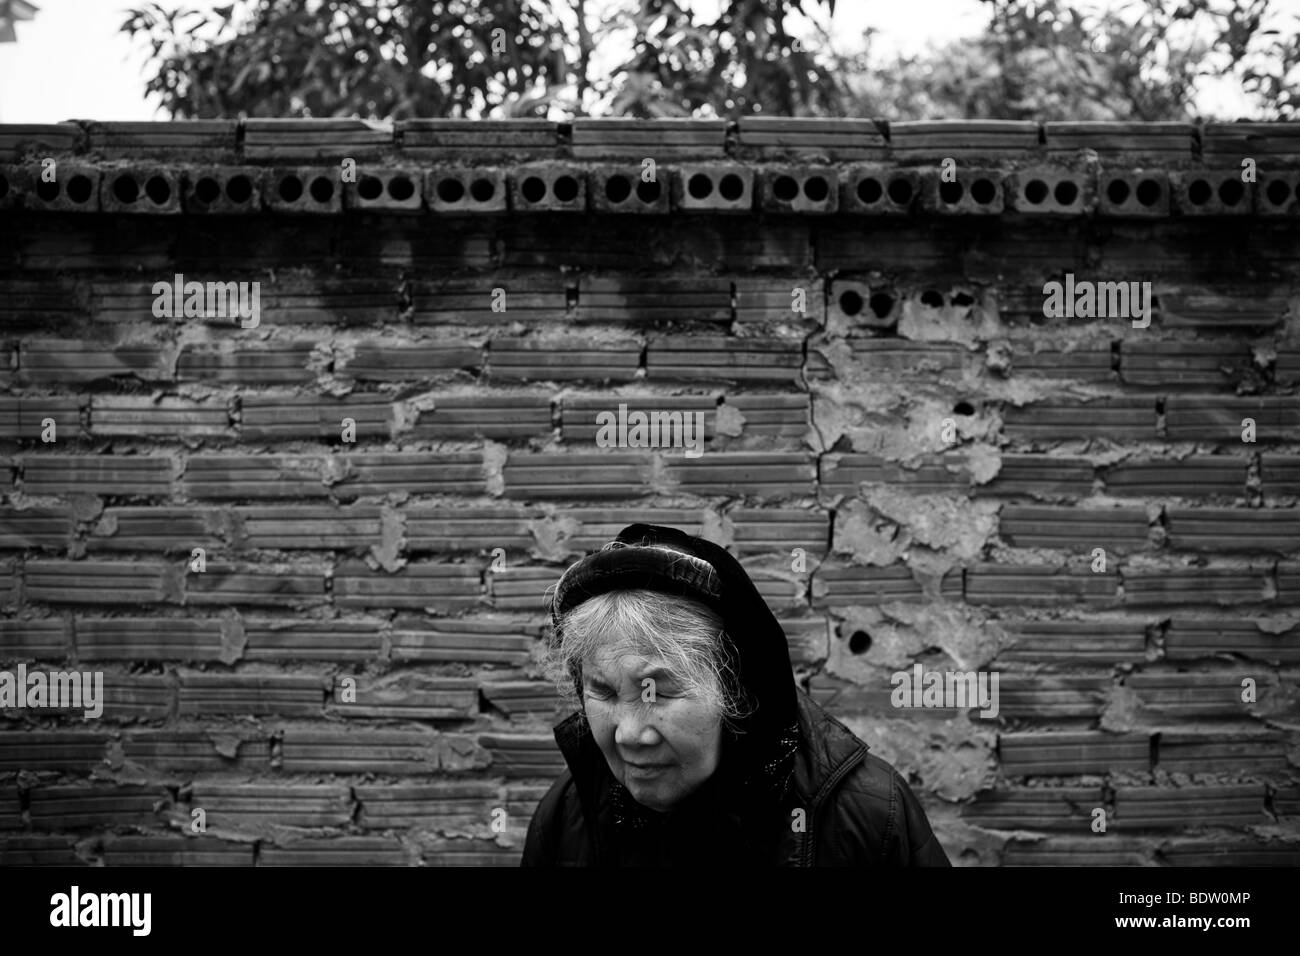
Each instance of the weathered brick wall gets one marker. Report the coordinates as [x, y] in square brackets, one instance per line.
[948, 459]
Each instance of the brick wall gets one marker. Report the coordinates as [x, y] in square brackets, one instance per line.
[352, 676]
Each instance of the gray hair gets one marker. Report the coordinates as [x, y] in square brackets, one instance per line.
[686, 634]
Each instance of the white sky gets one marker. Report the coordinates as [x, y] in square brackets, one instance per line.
[72, 62]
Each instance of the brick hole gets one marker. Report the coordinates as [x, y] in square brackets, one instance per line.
[932, 298]
[785, 188]
[1036, 191]
[816, 188]
[1278, 192]
[963, 299]
[47, 191]
[240, 189]
[80, 188]
[4, 186]
[1066, 192]
[648, 193]
[983, 192]
[870, 190]
[481, 190]
[731, 188]
[1231, 191]
[370, 188]
[900, 191]
[126, 189]
[851, 302]
[158, 190]
[400, 188]
[1199, 192]
[533, 189]
[617, 188]
[322, 189]
[207, 191]
[963, 408]
[566, 189]
[290, 188]
[451, 190]
[881, 304]
[1148, 192]
[699, 186]
[1117, 191]
[950, 192]
[859, 642]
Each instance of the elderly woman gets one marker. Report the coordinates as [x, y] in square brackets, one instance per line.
[692, 744]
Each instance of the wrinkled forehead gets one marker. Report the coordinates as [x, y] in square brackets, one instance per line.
[624, 658]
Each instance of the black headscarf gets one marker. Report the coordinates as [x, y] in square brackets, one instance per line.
[758, 754]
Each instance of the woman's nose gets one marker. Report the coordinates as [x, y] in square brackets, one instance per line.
[634, 727]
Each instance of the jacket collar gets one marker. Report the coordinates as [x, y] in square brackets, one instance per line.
[826, 753]
[589, 771]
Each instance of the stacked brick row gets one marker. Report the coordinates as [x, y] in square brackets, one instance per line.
[384, 473]
[779, 166]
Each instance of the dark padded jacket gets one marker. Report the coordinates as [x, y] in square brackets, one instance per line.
[858, 811]
[842, 807]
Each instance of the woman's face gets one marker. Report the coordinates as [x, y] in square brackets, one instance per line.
[660, 739]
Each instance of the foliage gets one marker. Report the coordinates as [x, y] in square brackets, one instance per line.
[384, 58]
[1144, 60]
[1054, 60]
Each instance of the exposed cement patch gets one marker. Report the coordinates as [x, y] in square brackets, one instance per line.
[85, 507]
[983, 462]
[878, 422]
[1279, 701]
[333, 469]
[551, 535]
[233, 637]
[114, 756]
[106, 527]
[954, 759]
[950, 323]
[930, 568]
[893, 648]
[1278, 623]
[460, 752]
[728, 420]
[1123, 711]
[997, 358]
[966, 845]
[960, 526]
[325, 356]
[718, 528]
[392, 540]
[864, 534]
[406, 414]
[970, 638]
[494, 462]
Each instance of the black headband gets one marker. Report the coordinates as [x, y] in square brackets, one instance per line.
[626, 566]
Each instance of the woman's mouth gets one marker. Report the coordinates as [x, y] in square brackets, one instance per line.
[645, 769]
